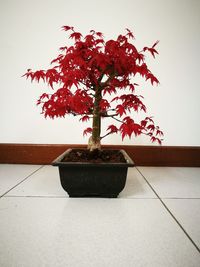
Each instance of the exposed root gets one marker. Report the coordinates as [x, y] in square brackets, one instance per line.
[93, 145]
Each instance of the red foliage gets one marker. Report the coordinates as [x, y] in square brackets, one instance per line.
[112, 128]
[92, 64]
[129, 127]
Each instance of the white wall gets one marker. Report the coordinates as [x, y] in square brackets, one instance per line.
[30, 36]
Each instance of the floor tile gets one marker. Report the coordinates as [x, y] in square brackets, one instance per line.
[187, 212]
[173, 182]
[136, 186]
[96, 232]
[46, 182]
[11, 175]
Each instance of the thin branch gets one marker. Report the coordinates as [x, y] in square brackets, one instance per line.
[109, 116]
[77, 114]
[112, 116]
[117, 119]
[112, 109]
[92, 86]
[101, 76]
[91, 95]
[104, 84]
[82, 83]
[105, 135]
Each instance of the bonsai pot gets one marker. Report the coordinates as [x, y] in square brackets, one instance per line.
[93, 179]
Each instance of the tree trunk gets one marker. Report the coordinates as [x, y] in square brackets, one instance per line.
[94, 140]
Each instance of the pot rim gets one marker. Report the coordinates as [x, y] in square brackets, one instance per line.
[129, 162]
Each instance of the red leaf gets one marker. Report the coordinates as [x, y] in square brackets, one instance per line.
[153, 139]
[57, 59]
[159, 141]
[44, 95]
[38, 75]
[149, 119]
[152, 78]
[84, 118]
[63, 48]
[87, 131]
[155, 44]
[144, 123]
[110, 90]
[130, 34]
[151, 127]
[67, 28]
[89, 39]
[115, 99]
[99, 41]
[152, 50]
[81, 102]
[76, 35]
[140, 57]
[52, 76]
[112, 128]
[158, 132]
[120, 110]
[132, 87]
[28, 74]
[100, 34]
[104, 105]
[129, 127]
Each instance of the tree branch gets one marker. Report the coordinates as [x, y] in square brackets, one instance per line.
[117, 119]
[105, 135]
[104, 84]
[108, 116]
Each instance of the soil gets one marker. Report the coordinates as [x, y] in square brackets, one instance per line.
[96, 156]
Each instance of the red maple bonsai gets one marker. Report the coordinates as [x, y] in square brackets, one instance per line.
[88, 71]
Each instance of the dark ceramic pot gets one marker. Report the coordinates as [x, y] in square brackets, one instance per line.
[93, 179]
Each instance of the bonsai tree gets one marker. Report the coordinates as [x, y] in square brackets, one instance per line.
[94, 79]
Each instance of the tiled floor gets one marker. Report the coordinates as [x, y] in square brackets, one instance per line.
[155, 222]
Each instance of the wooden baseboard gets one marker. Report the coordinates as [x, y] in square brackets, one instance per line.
[183, 156]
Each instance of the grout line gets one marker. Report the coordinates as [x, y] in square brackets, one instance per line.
[119, 198]
[181, 198]
[21, 181]
[36, 196]
[179, 224]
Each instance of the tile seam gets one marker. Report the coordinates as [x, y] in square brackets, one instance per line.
[3, 195]
[119, 198]
[171, 214]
